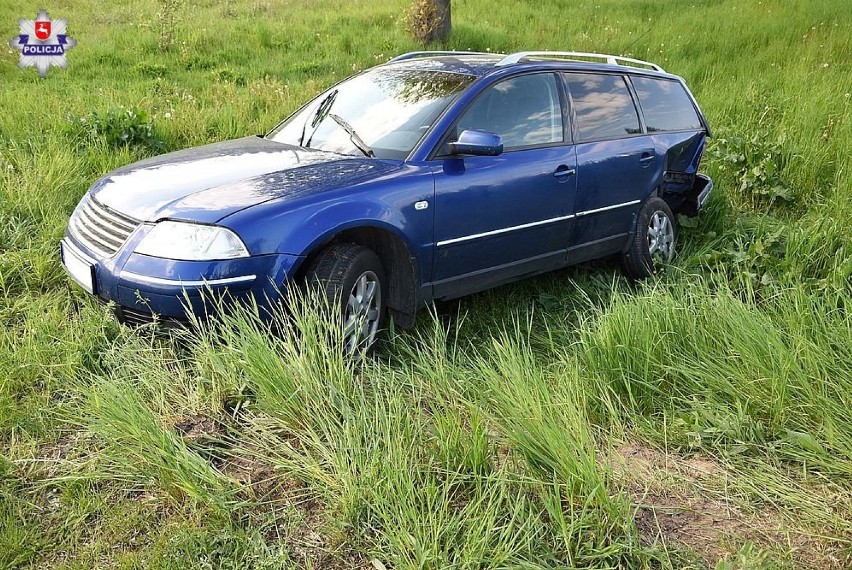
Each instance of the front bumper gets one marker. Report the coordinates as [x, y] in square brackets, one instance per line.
[142, 286]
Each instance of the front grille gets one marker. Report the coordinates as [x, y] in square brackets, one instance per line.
[135, 318]
[99, 228]
[132, 317]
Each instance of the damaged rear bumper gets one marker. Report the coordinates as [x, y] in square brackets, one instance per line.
[690, 202]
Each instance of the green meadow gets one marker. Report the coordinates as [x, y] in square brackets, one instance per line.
[702, 419]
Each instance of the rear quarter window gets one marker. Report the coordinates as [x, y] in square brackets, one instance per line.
[603, 106]
[666, 105]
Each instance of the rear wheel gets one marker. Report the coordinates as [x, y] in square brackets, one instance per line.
[352, 275]
[653, 244]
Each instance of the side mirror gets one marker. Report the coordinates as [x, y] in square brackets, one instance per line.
[478, 143]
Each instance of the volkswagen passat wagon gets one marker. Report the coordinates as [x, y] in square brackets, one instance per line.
[435, 175]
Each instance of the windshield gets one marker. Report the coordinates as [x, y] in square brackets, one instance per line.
[389, 110]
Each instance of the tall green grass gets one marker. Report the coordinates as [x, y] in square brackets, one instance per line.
[488, 436]
[757, 383]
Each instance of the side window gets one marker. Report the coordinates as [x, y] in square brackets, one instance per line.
[666, 105]
[525, 111]
[603, 106]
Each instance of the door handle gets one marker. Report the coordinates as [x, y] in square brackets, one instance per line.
[564, 171]
[646, 159]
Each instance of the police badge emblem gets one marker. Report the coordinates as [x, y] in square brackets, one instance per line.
[42, 30]
[42, 43]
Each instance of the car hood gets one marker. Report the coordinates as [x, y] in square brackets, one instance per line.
[210, 182]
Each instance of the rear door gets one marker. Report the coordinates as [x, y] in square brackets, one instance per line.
[617, 165]
[500, 217]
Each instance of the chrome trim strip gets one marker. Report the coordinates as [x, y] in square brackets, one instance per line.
[100, 229]
[182, 283]
[77, 229]
[105, 211]
[68, 244]
[605, 208]
[116, 230]
[504, 230]
[101, 234]
[533, 224]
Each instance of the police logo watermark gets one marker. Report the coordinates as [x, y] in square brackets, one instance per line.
[42, 43]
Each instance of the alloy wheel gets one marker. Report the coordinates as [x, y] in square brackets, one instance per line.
[661, 237]
[362, 313]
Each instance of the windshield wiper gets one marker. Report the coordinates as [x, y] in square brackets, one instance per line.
[322, 110]
[353, 136]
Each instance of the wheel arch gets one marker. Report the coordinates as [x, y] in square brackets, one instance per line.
[395, 255]
[655, 193]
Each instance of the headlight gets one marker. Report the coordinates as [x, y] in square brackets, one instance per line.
[191, 242]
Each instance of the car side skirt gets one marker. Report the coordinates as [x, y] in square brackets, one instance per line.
[483, 280]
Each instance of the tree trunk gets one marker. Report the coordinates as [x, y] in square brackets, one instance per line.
[443, 21]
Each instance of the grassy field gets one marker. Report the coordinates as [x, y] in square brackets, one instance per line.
[702, 420]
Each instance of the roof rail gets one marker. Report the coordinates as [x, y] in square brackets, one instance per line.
[610, 59]
[416, 54]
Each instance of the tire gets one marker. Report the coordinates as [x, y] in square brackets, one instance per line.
[653, 243]
[352, 275]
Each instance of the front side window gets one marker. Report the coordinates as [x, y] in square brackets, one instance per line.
[666, 105]
[525, 111]
[603, 106]
[389, 109]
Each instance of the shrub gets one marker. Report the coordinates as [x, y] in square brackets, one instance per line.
[756, 165]
[117, 127]
[167, 17]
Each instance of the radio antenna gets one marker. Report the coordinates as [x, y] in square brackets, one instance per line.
[634, 42]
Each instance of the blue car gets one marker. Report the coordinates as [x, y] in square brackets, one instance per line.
[435, 175]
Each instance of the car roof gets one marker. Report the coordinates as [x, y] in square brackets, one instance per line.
[468, 64]
[482, 63]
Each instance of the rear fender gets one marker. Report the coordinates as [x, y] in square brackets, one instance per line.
[680, 186]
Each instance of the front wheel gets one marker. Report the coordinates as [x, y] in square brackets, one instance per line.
[653, 243]
[352, 275]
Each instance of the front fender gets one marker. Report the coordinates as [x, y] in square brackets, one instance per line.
[300, 227]
[344, 222]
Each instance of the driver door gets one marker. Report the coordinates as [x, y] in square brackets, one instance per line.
[501, 217]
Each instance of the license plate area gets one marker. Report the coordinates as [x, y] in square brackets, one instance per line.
[78, 268]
